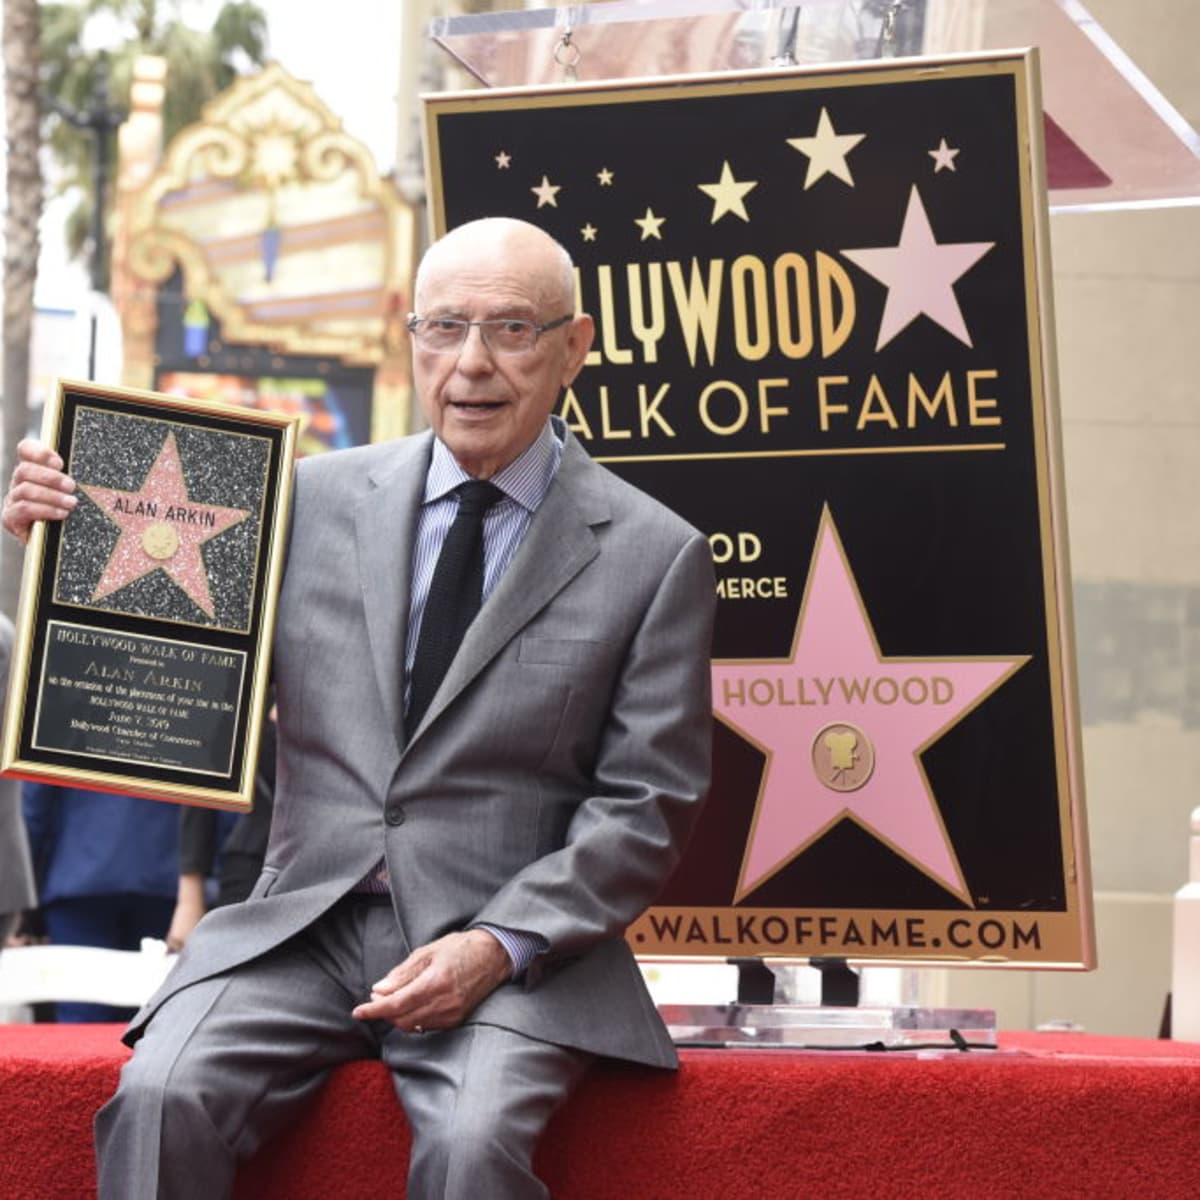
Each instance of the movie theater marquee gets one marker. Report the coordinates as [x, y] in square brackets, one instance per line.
[824, 337]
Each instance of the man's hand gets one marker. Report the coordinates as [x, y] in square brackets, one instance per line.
[438, 985]
[189, 908]
[39, 492]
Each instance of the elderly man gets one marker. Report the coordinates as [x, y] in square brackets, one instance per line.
[470, 807]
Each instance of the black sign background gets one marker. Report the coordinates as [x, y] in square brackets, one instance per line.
[948, 528]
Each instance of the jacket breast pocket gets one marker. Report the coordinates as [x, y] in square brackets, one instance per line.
[560, 652]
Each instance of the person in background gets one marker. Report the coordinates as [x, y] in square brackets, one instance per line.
[16, 874]
[106, 868]
[223, 849]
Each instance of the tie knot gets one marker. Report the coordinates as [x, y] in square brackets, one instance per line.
[477, 496]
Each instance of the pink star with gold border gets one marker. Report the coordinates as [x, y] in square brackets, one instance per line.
[843, 728]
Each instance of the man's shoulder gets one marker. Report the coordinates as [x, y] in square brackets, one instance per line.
[628, 504]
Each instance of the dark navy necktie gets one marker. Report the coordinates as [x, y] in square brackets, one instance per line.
[455, 596]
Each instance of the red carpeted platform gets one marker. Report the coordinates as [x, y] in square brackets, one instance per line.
[1051, 1116]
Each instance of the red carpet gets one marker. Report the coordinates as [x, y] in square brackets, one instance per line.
[1054, 1116]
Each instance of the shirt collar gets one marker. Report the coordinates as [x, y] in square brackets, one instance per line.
[526, 479]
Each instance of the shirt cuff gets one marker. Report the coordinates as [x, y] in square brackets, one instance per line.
[521, 946]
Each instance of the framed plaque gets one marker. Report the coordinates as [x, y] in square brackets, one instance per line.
[146, 617]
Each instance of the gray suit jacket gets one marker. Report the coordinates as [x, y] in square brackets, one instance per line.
[16, 877]
[556, 774]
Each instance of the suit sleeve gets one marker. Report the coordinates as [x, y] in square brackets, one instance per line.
[649, 783]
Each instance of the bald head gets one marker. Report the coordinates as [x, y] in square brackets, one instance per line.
[488, 403]
[503, 244]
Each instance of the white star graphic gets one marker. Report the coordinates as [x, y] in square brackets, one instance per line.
[589, 232]
[650, 224]
[827, 151]
[728, 195]
[605, 176]
[503, 159]
[943, 157]
[919, 275]
[545, 192]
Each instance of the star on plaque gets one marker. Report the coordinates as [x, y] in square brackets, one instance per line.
[589, 232]
[943, 157]
[546, 192]
[728, 194]
[827, 151]
[919, 274]
[651, 226]
[605, 176]
[503, 160]
[843, 729]
[161, 529]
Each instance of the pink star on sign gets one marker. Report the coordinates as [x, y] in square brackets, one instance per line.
[843, 729]
[161, 529]
[919, 274]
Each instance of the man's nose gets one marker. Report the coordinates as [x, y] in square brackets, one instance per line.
[474, 355]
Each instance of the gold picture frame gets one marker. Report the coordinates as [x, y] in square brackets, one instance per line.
[146, 617]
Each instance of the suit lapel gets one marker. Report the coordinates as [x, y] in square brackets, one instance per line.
[385, 523]
[557, 546]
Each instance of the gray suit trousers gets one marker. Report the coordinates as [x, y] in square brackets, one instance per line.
[228, 1061]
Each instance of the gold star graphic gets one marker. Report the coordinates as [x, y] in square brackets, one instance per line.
[728, 194]
[605, 176]
[503, 159]
[651, 225]
[545, 192]
[589, 232]
[826, 151]
[943, 157]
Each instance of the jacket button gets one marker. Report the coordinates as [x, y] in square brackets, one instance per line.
[393, 814]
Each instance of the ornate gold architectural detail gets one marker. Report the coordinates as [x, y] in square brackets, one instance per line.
[284, 229]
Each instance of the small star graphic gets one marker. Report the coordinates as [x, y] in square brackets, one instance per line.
[943, 157]
[503, 159]
[650, 224]
[605, 176]
[545, 192]
[919, 274]
[827, 151]
[728, 195]
[843, 728]
[589, 232]
[161, 529]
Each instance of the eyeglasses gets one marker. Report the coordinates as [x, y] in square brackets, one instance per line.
[501, 335]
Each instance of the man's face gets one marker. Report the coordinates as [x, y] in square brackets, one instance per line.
[489, 408]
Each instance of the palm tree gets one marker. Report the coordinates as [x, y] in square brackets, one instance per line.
[200, 64]
[24, 208]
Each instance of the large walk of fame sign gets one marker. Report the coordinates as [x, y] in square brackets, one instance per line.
[146, 616]
[824, 337]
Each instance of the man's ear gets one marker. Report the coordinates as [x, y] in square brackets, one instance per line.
[580, 334]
